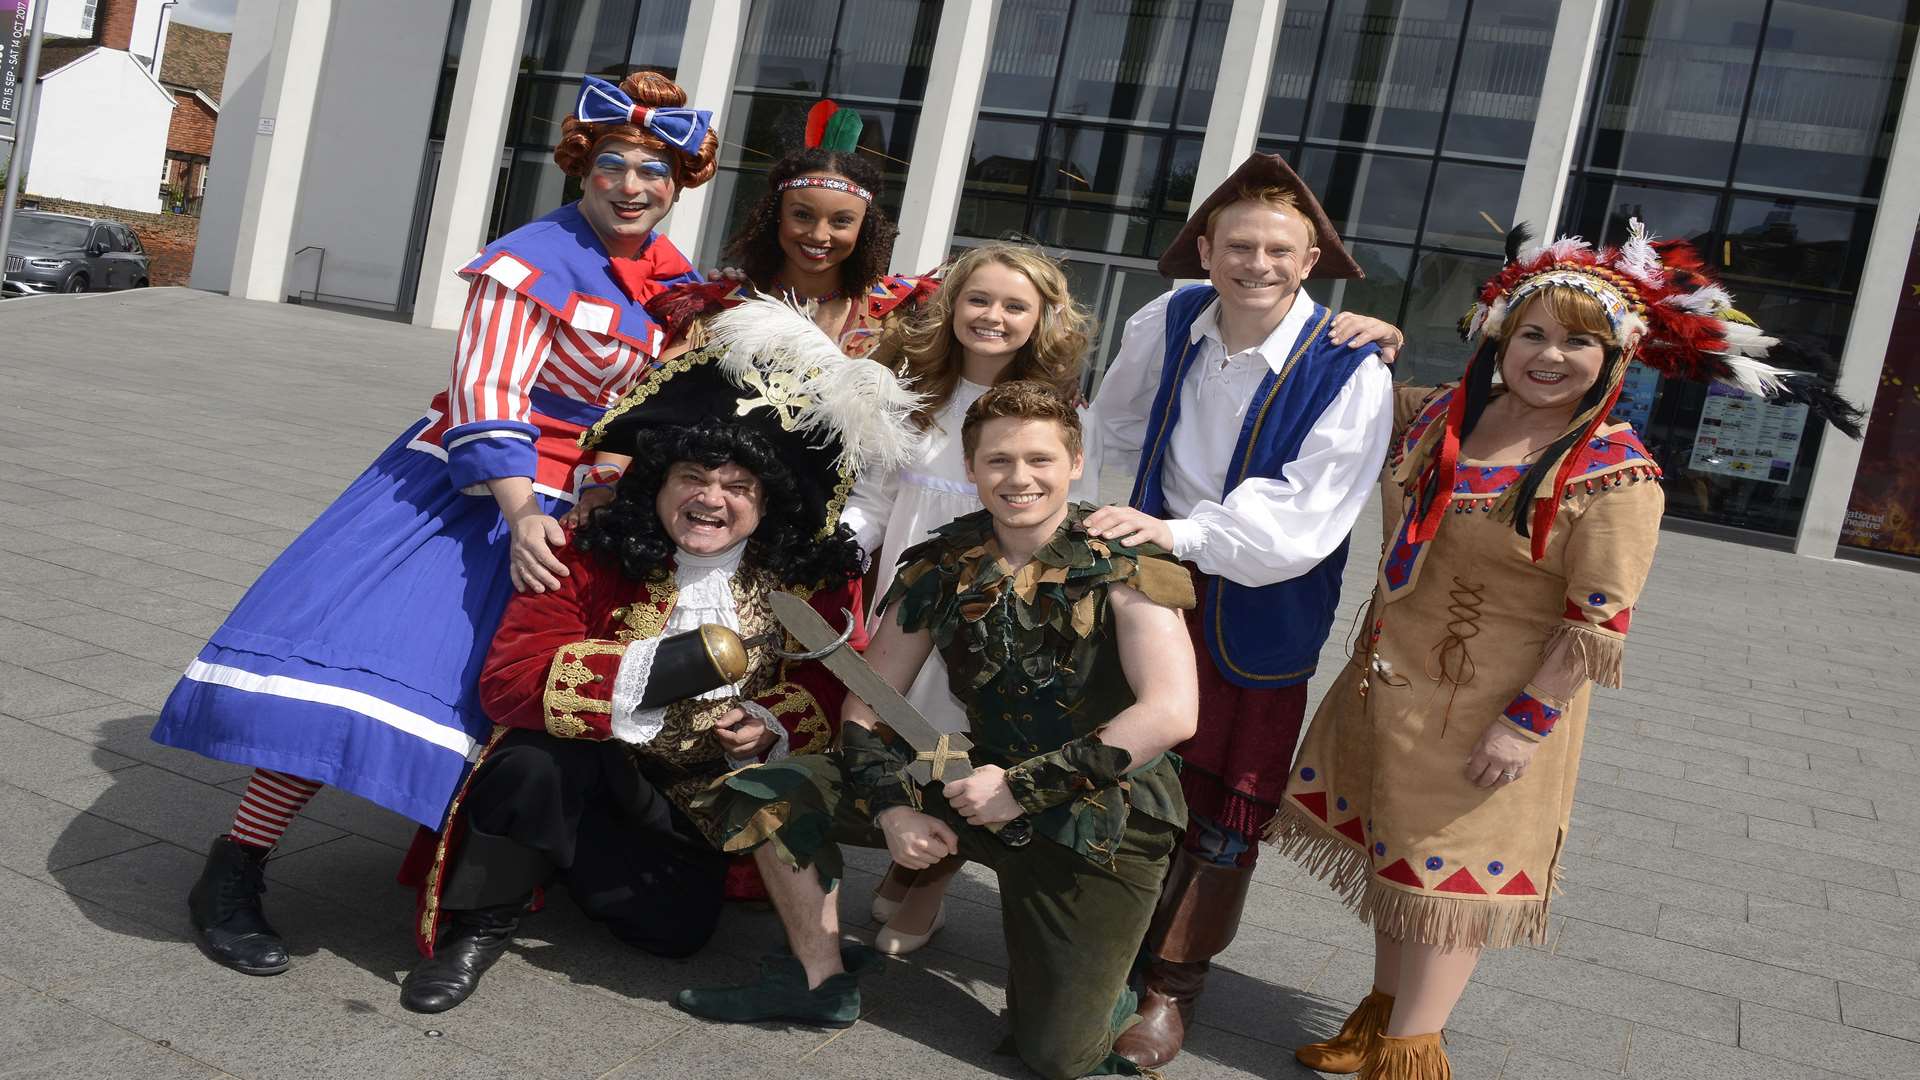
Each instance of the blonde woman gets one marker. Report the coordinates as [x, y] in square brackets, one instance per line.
[1002, 313]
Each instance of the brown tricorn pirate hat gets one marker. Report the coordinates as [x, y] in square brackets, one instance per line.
[1182, 257]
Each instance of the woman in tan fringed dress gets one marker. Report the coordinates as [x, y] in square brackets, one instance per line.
[1435, 784]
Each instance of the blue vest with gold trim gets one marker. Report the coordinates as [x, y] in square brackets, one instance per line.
[1268, 636]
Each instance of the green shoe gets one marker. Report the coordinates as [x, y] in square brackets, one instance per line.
[781, 994]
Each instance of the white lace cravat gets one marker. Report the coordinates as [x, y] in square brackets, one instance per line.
[705, 585]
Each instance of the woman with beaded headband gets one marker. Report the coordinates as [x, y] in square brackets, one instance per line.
[353, 659]
[1434, 787]
[817, 235]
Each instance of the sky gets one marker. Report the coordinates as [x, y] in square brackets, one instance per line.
[211, 14]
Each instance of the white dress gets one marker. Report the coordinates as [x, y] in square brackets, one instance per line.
[890, 514]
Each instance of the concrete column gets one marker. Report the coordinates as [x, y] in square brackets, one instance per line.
[943, 144]
[1556, 127]
[280, 150]
[241, 96]
[1240, 92]
[470, 162]
[709, 58]
[1881, 283]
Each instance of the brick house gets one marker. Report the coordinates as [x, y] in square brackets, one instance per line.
[194, 65]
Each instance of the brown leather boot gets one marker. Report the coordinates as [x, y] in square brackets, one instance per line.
[1199, 912]
[1347, 1051]
[1414, 1057]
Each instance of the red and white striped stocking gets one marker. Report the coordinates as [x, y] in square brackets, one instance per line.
[269, 806]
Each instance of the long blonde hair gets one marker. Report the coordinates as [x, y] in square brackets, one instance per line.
[923, 351]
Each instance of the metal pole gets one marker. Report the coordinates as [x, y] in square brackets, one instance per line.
[23, 130]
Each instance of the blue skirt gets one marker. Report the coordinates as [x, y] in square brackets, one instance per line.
[354, 659]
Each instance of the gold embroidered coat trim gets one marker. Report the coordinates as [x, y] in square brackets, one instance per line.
[564, 703]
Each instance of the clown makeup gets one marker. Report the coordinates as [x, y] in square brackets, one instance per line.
[626, 192]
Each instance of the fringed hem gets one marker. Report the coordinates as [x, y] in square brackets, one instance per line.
[1416, 1057]
[1448, 923]
[1600, 656]
[1407, 916]
[1322, 852]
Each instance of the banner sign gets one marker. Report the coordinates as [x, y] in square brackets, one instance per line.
[1884, 514]
[14, 27]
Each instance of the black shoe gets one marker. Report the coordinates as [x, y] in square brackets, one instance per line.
[224, 907]
[451, 975]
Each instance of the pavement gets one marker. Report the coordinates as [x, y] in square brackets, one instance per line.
[1742, 884]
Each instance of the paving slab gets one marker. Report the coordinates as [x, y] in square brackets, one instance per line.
[1825, 1044]
[1659, 1054]
[126, 729]
[43, 836]
[1787, 949]
[1816, 928]
[54, 936]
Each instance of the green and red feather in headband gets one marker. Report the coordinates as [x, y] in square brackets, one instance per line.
[1666, 310]
[830, 127]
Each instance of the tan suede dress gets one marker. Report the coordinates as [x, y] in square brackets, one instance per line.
[1378, 802]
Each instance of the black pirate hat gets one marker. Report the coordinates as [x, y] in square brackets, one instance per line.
[767, 368]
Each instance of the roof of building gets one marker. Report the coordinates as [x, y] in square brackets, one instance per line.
[58, 52]
[196, 58]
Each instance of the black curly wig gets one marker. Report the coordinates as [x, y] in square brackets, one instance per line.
[756, 247]
[628, 529]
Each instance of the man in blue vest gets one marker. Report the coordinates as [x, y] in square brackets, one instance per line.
[1261, 422]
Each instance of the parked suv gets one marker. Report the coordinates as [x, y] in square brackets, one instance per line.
[61, 253]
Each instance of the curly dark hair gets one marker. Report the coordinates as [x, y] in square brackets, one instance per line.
[756, 247]
[628, 529]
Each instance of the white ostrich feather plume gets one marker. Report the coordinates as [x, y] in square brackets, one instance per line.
[1747, 341]
[1637, 256]
[1755, 377]
[858, 402]
[1706, 300]
[1566, 247]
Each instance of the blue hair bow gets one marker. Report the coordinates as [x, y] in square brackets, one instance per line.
[601, 102]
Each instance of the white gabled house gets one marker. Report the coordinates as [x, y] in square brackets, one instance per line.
[101, 114]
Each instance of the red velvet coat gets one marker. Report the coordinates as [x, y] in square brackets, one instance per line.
[553, 664]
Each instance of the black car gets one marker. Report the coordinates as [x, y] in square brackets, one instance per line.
[52, 253]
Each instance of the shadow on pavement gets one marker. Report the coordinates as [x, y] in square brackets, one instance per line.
[326, 888]
[333, 891]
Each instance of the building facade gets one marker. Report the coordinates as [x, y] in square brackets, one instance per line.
[1774, 134]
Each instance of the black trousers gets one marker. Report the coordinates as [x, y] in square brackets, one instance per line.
[542, 808]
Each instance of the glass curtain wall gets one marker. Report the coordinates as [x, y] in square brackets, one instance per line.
[1411, 120]
[869, 55]
[1089, 134]
[1759, 130]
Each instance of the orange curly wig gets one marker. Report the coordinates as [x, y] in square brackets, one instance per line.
[579, 141]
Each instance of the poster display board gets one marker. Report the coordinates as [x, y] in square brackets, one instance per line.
[1741, 435]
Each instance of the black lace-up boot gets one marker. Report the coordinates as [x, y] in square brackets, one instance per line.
[224, 906]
